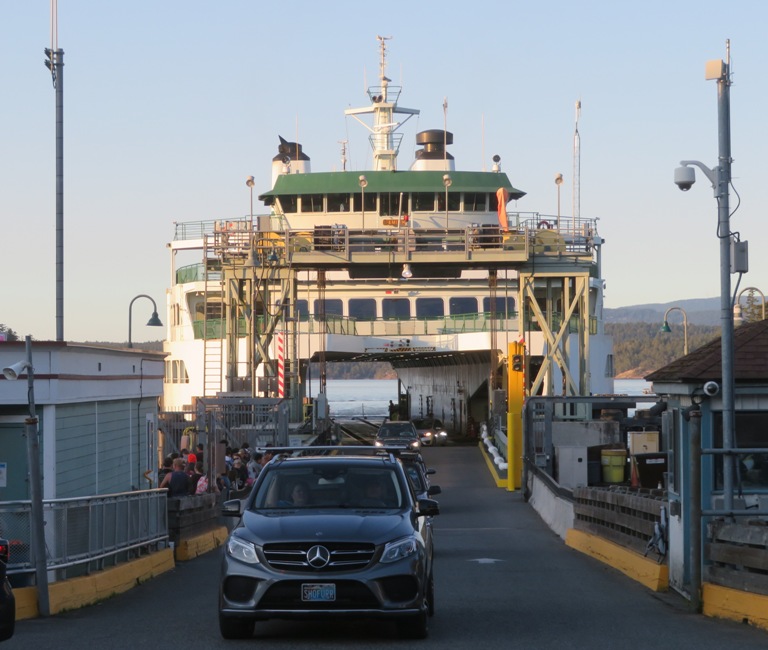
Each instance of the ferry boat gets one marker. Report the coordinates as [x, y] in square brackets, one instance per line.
[426, 268]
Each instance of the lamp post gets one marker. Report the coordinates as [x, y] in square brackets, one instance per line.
[447, 182]
[720, 178]
[154, 320]
[738, 317]
[363, 181]
[250, 182]
[665, 327]
[558, 182]
[35, 479]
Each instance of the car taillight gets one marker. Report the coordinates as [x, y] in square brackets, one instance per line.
[4, 551]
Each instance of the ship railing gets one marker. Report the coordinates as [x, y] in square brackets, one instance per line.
[215, 328]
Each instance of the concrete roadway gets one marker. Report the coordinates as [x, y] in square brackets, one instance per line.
[503, 580]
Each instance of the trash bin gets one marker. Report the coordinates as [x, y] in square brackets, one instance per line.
[614, 462]
[651, 469]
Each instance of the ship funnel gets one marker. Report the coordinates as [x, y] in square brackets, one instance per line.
[290, 159]
[434, 155]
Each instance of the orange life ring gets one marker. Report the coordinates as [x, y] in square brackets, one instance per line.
[544, 225]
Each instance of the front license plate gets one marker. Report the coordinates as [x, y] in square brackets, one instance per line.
[318, 593]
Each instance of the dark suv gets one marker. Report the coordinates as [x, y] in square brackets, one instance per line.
[329, 536]
[397, 433]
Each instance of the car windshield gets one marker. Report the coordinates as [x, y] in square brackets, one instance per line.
[396, 430]
[328, 485]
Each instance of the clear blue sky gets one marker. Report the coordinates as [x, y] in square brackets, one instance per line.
[169, 106]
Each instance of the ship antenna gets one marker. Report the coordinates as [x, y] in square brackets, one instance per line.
[577, 166]
[445, 133]
[343, 144]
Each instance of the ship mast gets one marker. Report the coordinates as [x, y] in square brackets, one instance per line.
[384, 139]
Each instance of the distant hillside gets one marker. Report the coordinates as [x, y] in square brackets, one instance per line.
[700, 311]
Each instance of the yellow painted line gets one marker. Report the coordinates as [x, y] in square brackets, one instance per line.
[646, 571]
[734, 605]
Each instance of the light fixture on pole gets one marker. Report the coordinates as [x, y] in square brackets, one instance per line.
[558, 182]
[665, 326]
[154, 320]
[12, 373]
[407, 273]
[447, 181]
[251, 261]
[720, 178]
[738, 315]
[363, 181]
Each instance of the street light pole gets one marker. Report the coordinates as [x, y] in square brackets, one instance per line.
[154, 320]
[720, 177]
[737, 313]
[37, 541]
[665, 327]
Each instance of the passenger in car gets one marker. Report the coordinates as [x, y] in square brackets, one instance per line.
[300, 495]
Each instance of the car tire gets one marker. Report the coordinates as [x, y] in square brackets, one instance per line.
[235, 628]
[431, 596]
[413, 627]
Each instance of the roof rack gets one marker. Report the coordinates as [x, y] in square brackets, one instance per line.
[338, 450]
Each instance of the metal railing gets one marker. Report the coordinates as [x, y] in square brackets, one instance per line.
[86, 534]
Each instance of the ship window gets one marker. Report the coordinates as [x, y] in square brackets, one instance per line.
[311, 202]
[289, 203]
[370, 202]
[430, 308]
[493, 202]
[454, 201]
[362, 308]
[474, 201]
[390, 204]
[396, 308]
[423, 201]
[302, 310]
[501, 309]
[463, 306]
[338, 202]
[333, 307]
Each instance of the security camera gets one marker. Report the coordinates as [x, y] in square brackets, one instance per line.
[685, 177]
[711, 388]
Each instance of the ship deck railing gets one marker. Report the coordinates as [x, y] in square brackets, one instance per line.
[215, 328]
[337, 244]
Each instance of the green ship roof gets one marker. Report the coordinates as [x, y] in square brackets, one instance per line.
[389, 181]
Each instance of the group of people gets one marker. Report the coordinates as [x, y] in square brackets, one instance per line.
[184, 474]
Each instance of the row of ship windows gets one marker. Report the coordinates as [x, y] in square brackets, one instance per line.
[390, 203]
[404, 308]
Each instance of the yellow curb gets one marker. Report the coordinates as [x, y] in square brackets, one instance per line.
[500, 481]
[87, 590]
[646, 571]
[189, 549]
[734, 605]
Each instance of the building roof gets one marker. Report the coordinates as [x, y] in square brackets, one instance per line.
[750, 359]
[389, 181]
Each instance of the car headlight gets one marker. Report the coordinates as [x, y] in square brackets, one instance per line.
[378, 443]
[416, 444]
[399, 550]
[427, 434]
[242, 550]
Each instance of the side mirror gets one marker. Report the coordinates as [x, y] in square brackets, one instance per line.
[232, 508]
[434, 489]
[428, 508]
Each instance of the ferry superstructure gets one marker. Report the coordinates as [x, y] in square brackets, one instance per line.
[426, 268]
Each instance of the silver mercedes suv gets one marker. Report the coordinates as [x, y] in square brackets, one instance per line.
[323, 536]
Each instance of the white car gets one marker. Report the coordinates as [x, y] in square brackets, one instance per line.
[431, 431]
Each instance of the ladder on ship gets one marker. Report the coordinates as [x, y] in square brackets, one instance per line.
[213, 336]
